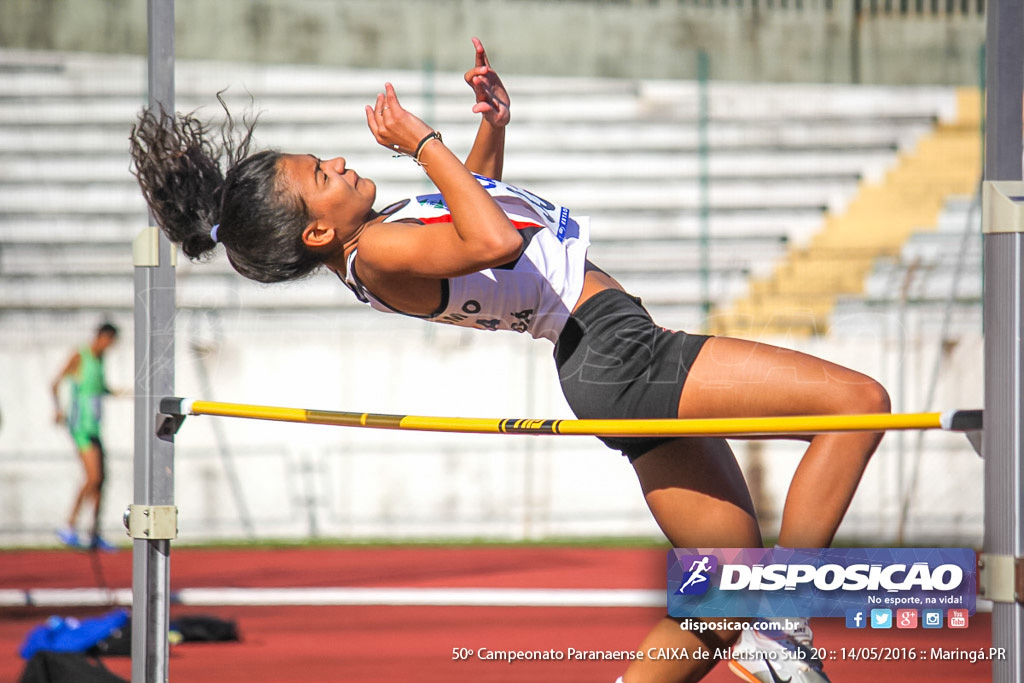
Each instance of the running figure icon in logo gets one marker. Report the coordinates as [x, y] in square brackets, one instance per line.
[697, 580]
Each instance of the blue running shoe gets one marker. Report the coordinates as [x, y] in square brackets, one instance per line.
[98, 543]
[69, 537]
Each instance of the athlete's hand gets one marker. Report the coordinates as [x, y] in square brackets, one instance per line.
[392, 126]
[491, 97]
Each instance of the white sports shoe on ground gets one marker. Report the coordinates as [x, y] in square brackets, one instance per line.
[777, 657]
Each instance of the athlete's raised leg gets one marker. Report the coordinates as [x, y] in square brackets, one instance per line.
[737, 378]
[92, 464]
[697, 494]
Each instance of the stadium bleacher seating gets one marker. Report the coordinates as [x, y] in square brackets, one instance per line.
[754, 183]
[875, 224]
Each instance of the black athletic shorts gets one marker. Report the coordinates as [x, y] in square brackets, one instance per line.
[614, 362]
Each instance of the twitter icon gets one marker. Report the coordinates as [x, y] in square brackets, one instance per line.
[881, 618]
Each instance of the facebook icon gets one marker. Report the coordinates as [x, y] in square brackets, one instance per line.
[856, 618]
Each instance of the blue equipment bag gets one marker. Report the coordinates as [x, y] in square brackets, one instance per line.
[68, 634]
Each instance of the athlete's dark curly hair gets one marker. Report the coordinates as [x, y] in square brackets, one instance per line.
[178, 163]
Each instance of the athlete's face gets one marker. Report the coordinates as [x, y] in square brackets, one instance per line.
[104, 340]
[335, 195]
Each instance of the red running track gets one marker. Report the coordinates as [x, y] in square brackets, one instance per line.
[415, 644]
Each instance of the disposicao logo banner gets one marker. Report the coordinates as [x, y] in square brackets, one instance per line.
[813, 582]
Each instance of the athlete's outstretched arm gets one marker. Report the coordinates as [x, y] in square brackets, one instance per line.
[70, 368]
[488, 154]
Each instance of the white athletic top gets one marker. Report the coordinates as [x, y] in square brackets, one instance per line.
[535, 293]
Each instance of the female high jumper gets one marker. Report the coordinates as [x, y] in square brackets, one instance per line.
[484, 254]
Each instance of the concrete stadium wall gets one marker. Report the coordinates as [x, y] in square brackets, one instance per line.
[809, 41]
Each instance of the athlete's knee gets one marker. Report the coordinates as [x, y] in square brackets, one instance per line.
[860, 396]
[94, 482]
[874, 398]
[866, 397]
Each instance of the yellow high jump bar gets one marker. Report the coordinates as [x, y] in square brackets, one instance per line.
[953, 420]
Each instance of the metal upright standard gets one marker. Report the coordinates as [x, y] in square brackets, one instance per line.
[151, 520]
[1002, 562]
